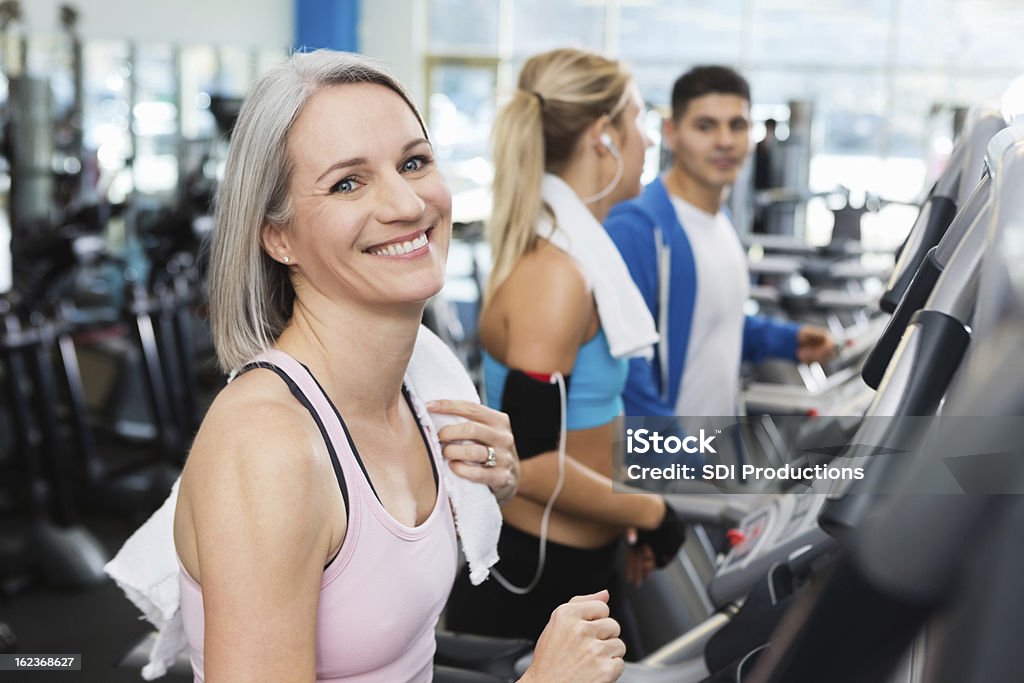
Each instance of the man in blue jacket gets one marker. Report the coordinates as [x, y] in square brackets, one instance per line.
[686, 258]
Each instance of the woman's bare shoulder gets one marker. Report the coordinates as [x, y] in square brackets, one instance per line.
[552, 265]
[256, 405]
[547, 308]
[546, 279]
[258, 433]
[258, 478]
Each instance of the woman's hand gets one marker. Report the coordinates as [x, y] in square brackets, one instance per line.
[480, 449]
[580, 644]
[666, 539]
[639, 559]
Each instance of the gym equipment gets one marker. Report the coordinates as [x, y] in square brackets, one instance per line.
[54, 544]
[950, 192]
[827, 286]
[922, 554]
[938, 230]
[938, 335]
[8, 641]
[928, 249]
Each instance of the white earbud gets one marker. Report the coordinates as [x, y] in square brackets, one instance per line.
[606, 140]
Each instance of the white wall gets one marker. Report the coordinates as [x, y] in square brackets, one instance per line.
[395, 31]
[254, 23]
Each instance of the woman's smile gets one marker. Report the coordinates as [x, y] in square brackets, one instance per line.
[405, 247]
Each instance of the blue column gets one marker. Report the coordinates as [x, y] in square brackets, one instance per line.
[327, 23]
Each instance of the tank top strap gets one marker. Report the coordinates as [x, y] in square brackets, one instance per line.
[427, 429]
[307, 391]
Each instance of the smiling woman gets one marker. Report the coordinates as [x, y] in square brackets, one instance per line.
[313, 525]
[354, 219]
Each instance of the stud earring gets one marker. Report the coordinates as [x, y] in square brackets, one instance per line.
[287, 259]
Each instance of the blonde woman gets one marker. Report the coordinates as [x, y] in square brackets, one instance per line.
[314, 533]
[560, 318]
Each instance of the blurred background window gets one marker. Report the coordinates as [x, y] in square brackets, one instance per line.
[883, 79]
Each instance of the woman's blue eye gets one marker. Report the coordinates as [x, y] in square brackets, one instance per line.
[414, 164]
[344, 186]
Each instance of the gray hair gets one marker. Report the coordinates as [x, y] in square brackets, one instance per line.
[251, 294]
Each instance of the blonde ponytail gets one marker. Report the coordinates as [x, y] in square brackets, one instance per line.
[560, 94]
[517, 202]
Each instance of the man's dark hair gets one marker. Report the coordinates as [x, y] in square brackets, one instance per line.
[704, 80]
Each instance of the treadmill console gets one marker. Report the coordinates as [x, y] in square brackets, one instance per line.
[778, 532]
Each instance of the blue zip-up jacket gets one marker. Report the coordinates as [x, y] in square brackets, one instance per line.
[647, 231]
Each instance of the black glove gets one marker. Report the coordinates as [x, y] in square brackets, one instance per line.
[666, 539]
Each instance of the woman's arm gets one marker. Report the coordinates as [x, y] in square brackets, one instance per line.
[262, 533]
[588, 494]
[551, 315]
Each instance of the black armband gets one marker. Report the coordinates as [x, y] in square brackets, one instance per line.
[666, 539]
[534, 407]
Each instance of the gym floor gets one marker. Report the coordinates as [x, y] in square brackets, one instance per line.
[98, 623]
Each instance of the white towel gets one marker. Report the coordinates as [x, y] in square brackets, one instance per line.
[624, 316]
[146, 567]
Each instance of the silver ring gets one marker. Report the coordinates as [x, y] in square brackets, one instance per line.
[492, 459]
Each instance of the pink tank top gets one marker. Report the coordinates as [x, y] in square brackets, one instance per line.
[381, 596]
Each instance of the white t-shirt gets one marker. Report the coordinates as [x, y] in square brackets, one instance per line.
[710, 383]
